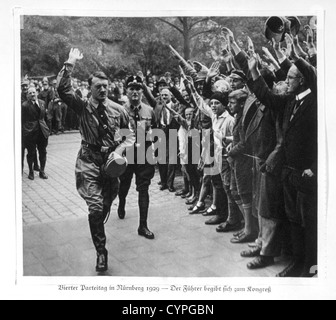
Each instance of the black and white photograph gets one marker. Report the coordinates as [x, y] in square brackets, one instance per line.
[171, 152]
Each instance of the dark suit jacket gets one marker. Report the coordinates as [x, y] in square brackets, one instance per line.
[160, 111]
[158, 105]
[300, 134]
[32, 120]
[264, 132]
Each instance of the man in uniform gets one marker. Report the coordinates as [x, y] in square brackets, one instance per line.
[100, 123]
[142, 120]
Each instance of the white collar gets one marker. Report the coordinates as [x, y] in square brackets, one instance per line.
[224, 114]
[302, 95]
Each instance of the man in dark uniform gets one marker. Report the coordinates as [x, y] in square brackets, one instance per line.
[35, 131]
[101, 121]
[142, 120]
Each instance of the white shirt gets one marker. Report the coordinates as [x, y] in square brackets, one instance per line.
[222, 126]
[169, 105]
[302, 95]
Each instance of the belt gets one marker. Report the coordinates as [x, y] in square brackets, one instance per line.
[97, 148]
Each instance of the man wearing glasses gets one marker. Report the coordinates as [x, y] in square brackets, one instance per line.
[142, 120]
[299, 111]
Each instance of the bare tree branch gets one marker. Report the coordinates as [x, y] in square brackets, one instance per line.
[197, 22]
[171, 24]
[181, 20]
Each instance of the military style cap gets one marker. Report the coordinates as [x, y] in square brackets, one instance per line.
[134, 81]
[115, 165]
[238, 74]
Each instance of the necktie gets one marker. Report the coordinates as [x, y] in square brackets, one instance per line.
[37, 108]
[102, 113]
[136, 116]
[164, 116]
[296, 108]
[103, 117]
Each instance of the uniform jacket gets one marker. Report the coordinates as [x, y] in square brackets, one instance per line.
[90, 129]
[33, 120]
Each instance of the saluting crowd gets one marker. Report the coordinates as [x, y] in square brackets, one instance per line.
[246, 128]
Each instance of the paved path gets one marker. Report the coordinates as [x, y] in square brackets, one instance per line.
[56, 237]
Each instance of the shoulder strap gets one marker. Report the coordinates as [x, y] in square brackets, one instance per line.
[103, 125]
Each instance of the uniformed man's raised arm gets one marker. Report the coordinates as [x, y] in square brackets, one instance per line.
[64, 87]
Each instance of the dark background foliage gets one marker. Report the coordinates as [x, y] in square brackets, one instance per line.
[121, 46]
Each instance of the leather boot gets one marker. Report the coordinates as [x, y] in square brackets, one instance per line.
[143, 208]
[36, 166]
[42, 173]
[96, 223]
[31, 175]
[31, 171]
[102, 261]
[121, 208]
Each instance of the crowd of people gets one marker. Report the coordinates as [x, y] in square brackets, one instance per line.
[247, 136]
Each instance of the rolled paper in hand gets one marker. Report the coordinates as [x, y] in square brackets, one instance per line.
[176, 53]
[171, 110]
[182, 72]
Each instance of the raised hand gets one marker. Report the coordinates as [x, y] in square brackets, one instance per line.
[141, 75]
[253, 62]
[214, 70]
[269, 58]
[277, 48]
[228, 34]
[267, 55]
[298, 48]
[250, 46]
[310, 41]
[290, 42]
[74, 55]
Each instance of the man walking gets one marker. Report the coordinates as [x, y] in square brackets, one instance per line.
[142, 120]
[100, 123]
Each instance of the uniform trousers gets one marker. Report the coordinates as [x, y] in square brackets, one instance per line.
[144, 173]
[97, 189]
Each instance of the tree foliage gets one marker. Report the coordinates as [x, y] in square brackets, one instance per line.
[120, 46]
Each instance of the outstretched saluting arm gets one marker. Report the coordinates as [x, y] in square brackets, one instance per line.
[64, 87]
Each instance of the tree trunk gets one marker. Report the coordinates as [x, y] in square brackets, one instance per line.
[186, 36]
